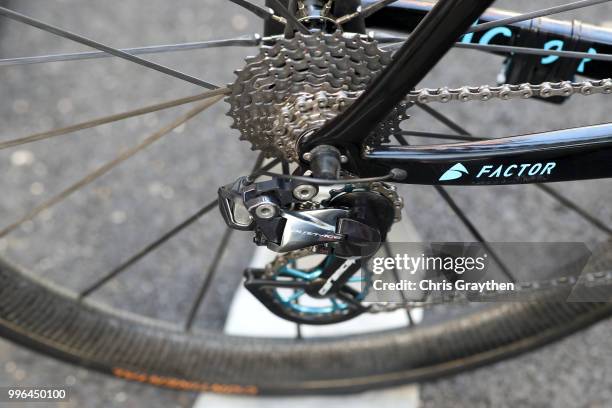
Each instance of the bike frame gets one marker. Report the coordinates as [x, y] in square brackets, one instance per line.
[562, 155]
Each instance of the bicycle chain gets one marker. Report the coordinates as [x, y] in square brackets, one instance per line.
[503, 92]
[507, 92]
[553, 286]
[587, 280]
[296, 85]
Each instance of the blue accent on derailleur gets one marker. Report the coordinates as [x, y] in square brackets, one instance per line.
[292, 301]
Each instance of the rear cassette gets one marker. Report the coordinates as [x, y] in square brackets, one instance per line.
[294, 86]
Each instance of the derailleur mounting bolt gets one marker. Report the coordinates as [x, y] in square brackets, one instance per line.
[266, 211]
[263, 207]
[305, 192]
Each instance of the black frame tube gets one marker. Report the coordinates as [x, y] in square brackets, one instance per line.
[579, 153]
[428, 43]
[562, 155]
[570, 154]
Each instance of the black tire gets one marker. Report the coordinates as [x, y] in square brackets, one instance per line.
[48, 320]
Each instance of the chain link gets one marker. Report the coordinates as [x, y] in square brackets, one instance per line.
[507, 92]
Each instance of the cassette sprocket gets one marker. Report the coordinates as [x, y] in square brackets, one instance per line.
[296, 85]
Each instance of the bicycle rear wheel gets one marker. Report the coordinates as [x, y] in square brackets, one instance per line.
[63, 324]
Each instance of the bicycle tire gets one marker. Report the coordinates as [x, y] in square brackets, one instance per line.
[44, 318]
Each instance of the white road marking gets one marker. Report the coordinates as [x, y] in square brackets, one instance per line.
[405, 397]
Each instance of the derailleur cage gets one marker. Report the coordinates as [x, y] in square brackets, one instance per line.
[347, 226]
[328, 283]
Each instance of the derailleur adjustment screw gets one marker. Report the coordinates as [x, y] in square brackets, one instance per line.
[307, 156]
[305, 192]
[343, 159]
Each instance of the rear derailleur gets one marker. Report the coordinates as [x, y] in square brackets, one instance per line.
[333, 230]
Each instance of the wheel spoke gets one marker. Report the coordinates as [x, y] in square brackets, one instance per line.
[576, 208]
[148, 249]
[291, 19]
[245, 41]
[261, 12]
[451, 124]
[264, 169]
[506, 49]
[366, 11]
[389, 254]
[109, 119]
[401, 139]
[474, 231]
[89, 178]
[535, 14]
[444, 136]
[374, 7]
[258, 162]
[212, 269]
[566, 202]
[285, 165]
[102, 47]
[157, 243]
[534, 51]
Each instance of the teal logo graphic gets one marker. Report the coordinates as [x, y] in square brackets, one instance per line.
[455, 172]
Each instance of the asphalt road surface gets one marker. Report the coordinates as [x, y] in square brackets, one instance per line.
[96, 228]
